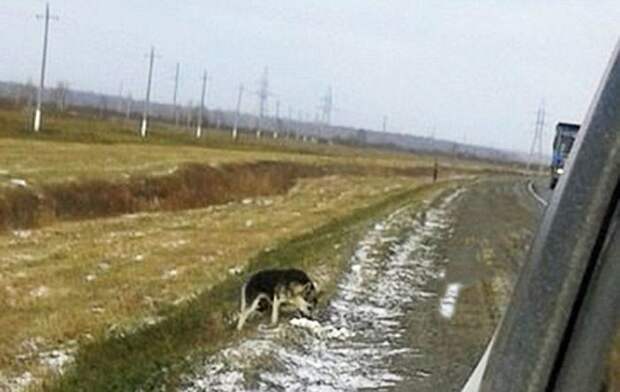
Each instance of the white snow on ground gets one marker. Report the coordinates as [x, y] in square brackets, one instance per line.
[55, 361]
[447, 306]
[18, 182]
[359, 333]
[18, 383]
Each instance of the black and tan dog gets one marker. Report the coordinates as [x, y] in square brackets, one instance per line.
[277, 287]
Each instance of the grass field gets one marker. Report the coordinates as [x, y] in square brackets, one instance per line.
[78, 147]
[95, 286]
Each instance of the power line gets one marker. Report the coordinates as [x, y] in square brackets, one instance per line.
[37, 113]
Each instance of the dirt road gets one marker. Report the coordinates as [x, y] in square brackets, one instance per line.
[422, 295]
[492, 225]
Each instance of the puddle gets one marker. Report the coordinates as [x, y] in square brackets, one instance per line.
[360, 334]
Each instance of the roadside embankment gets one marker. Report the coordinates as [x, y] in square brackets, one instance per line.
[189, 186]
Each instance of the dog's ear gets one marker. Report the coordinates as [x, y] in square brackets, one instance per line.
[309, 288]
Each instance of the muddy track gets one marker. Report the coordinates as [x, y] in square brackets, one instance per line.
[353, 343]
[414, 311]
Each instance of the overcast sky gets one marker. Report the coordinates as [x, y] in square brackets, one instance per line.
[466, 68]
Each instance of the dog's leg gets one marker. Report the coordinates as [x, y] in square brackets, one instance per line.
[274, 310]
[245, 314]
[242, 312]
[241, 321]
[243, 304]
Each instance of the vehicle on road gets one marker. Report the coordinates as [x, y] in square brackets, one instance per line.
[561, 331]
[565, 134]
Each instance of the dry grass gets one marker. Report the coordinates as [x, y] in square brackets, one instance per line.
[77, 148]
[39, 162]
[76, 279]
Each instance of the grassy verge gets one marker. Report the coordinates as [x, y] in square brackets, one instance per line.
[154, 355]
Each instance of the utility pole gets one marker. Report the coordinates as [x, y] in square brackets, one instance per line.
[119, 108]
[275, 134]
[145, 115]
[289, 126]
[384, 125]
[536, 148]
[202, 104]
[433, 132]
[129, 103]
[189, 114]
[175, 94]
[37, 113]
[237, 112]
[540, 139]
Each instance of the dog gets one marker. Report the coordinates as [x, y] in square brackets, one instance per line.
[277, 287]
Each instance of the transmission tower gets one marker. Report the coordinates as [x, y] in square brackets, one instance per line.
[263, 95]
[323, 117]
[327, 106]
[536, 149]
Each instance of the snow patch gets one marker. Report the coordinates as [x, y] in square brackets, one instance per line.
[19, 383]
[447, 305]
[56, 360]
[40, 292]
[23, 234]
[236, 270]
[170, 274]
[18, 182]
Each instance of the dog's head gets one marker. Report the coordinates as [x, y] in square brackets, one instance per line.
[306, 298]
